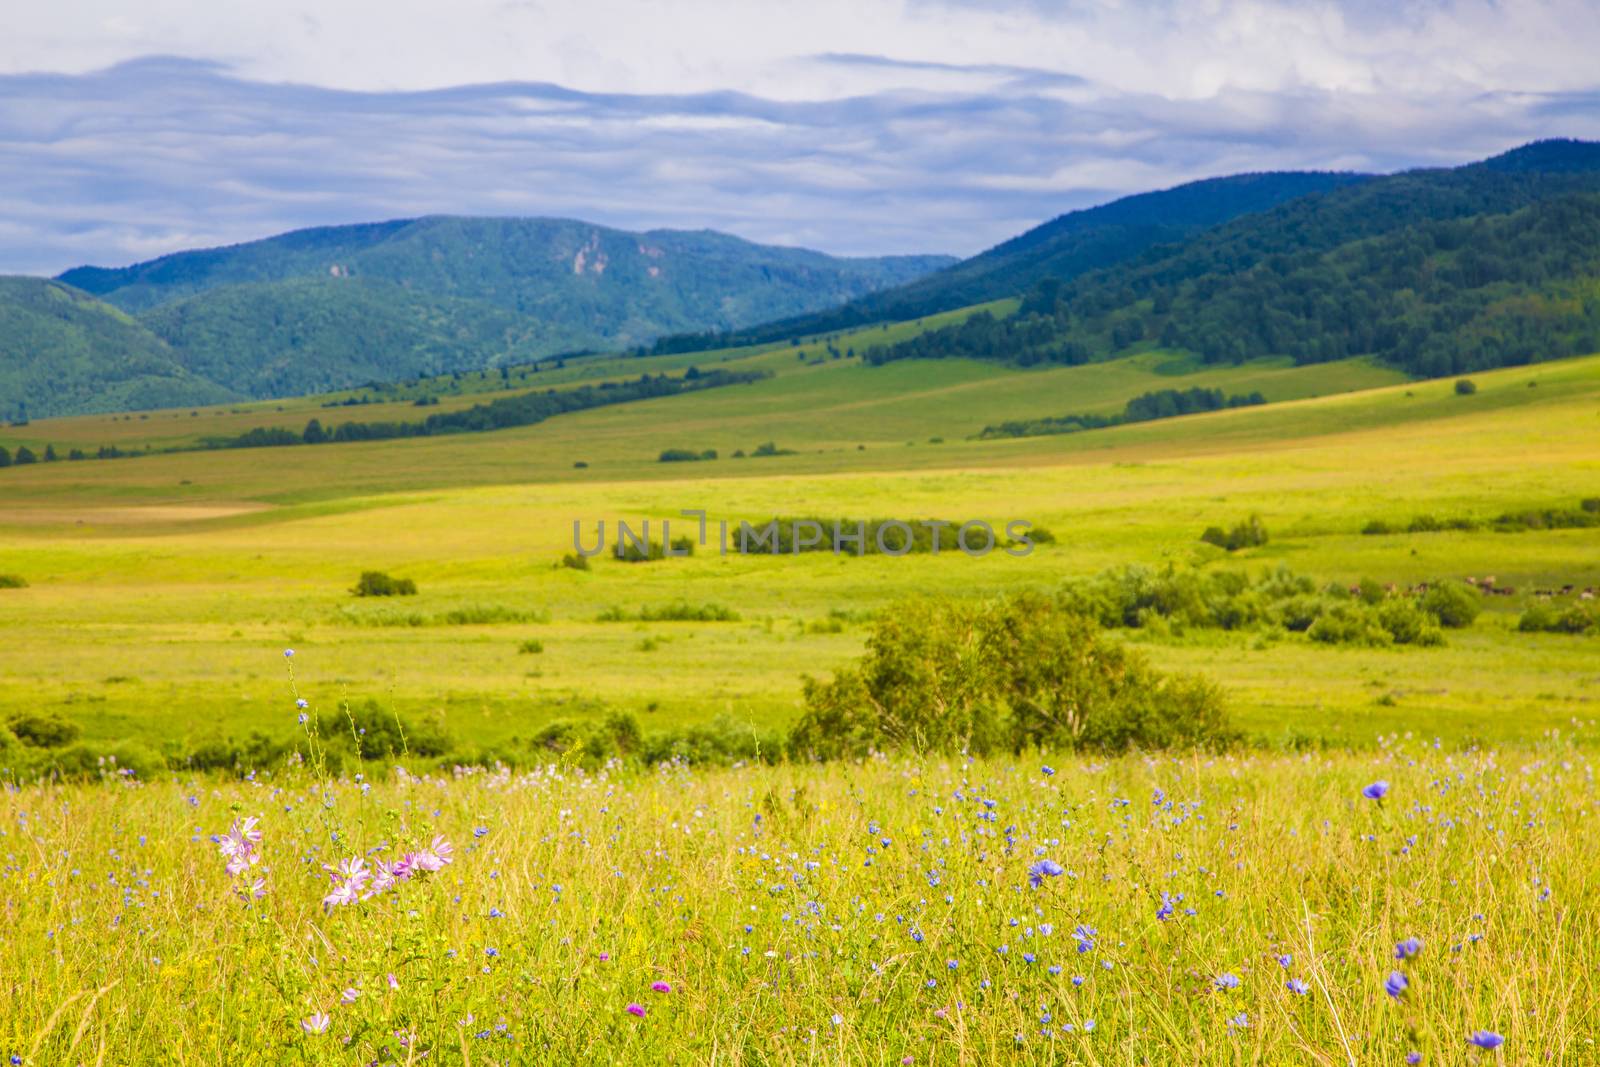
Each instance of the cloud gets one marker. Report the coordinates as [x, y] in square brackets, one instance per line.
[983, 119]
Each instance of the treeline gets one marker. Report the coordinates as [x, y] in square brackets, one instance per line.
[1159, 404]
[525, 409]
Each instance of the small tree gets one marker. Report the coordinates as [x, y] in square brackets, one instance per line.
[25, 455]
[1466, 387]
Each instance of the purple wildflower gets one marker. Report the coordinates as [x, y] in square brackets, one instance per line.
[315, 1023]
[1376, 791]
[1395, 984]
[1408, 948]
[1485, 1039]
[660, 987]
[635, 1009]
[1042, 870]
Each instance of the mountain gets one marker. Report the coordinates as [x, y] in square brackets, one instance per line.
[62, 350]
[1434, 271]
[336, 306]
[1064, 247]
[580, 285]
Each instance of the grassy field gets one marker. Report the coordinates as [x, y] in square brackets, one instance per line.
[1220, 911]
[1235, 908]
[161, 587]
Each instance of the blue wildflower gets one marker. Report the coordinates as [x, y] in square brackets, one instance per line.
[1042, 870]
[1485, 1039]
[1395, 984]
[1376, 791]
[1407, 948]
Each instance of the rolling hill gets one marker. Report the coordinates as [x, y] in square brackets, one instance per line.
[337, 306]
[62, 350]
[1064, 247]
[1435, 272]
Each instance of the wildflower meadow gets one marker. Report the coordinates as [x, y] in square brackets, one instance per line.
[1412, 904]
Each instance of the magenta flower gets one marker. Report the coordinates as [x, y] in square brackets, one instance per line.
[661, 987]
[635, 1009]
[394, 983]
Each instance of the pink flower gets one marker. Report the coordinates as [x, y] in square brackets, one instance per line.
[604, 956]
[382, 880]
[404, 866]
[350, 877]
[315, 1023]
[394, 983]
[635, 1009]
[444, 850]
[661, 987]
[350, 996]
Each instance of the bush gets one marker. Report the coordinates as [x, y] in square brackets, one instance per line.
[1377, 527]
[628, 552]
[1408, 624]
[1466, 387]
[377, 733]
[1348, 624]
[42, 729]
[1577, 619]
[83, 761]
[1017, 672]
[574, 561]
[685, 455]
[377, 583]
[530, 647]
[1591, 504]
[1454, 604]
[1248, 534]
[13, 581]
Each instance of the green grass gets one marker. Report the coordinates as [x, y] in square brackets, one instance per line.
[845, 914]
[189, 590]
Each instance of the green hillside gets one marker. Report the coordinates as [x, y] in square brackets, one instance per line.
[1435, 272]
[337, 306]
[1063, 248]
[61, 350]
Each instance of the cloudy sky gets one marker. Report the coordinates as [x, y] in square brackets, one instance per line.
[129, 129]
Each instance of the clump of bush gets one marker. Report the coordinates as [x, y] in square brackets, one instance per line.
[379, 583]
[530, 647]
[1176, 599]
[1543, 618]
[1466, 387]
[42, 729]
[13, 581]
[1248, 534]
[1006, 674]
[685, 455]
[575, 561]
[629, 551]
[679, 611]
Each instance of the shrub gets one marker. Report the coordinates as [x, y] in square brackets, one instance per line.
[1408, 624]
[375, 732]
[1454, 604]
[42, 729]
[1248, 534]
[83, 761]
[530, 647]
[575, 561]
[1591, 504]
[1376, 527]
[1542, 618]
[1016, 672]
[629, 552]
[685, 455]
[13, 581]
[378, 583]
[1348, 624]
[1466, 387]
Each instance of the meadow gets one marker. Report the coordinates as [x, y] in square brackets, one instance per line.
[861, 911]
[1237, 909]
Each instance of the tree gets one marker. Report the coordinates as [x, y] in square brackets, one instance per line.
[25, 455]
[5, 457]
[314, 433]
[50, 454]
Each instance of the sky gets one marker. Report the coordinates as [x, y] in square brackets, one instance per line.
[132, 128]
